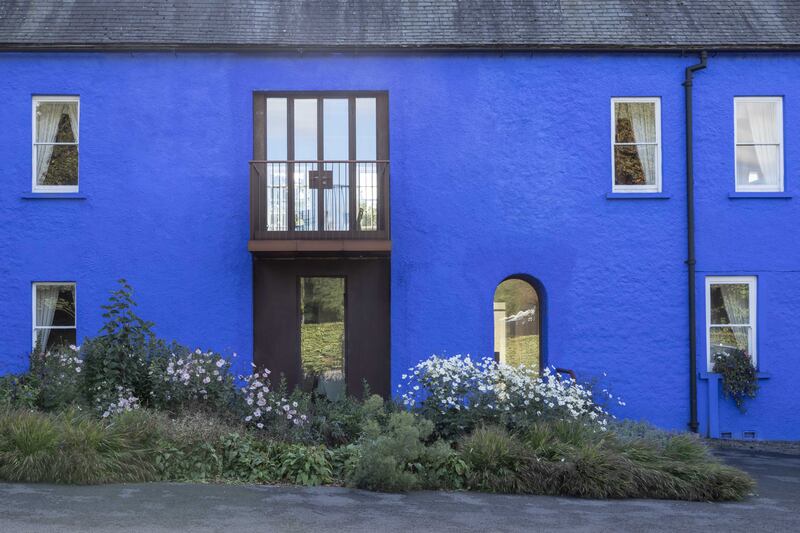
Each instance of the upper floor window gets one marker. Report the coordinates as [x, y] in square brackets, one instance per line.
[636, 144]
[54, 321]
[55, 143]
[731, 316]
[321, 164]
[759, 143]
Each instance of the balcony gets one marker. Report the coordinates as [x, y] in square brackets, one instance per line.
[319, 206]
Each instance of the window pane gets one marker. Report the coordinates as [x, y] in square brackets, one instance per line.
[635, 122]
[55, 305]
[635, 165]
[322, 335]
[336, 130]
[52, 339]
[757, 122]
[56, 122]
[305, 129]
[305, 148]
[366, 129]
[727, 339]
[758, 165]
[516, 320]
[276, 129]
[730, 303]
[57, 164]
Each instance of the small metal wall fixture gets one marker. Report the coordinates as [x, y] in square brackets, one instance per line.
[320, 179]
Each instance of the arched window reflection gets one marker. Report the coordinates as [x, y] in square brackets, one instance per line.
[517, 321]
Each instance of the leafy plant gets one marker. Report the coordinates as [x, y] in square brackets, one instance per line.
[739, 379]
[74, 448]
[395, 458]
[305, 465]
[58, 375]
[117, 360]
[493, 456]
[19, 391]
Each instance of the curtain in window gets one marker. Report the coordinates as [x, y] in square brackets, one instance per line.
[643, 121]
[47, 118]
[46, 300]
[736, 299]
[762, 118]
[71, 110]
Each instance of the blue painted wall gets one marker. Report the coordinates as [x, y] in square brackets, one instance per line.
[500, 166]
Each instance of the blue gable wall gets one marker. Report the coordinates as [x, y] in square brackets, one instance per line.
[500, 166]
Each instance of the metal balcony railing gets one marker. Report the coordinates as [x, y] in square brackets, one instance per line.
[319, 200]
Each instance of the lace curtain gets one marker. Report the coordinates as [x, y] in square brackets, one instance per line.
[48, 117]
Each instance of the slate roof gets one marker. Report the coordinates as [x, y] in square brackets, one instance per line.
[401, 24]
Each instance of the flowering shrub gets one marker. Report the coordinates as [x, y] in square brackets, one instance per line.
[458, 392]
[186, 378]
[264, 405]
[58, 374]
[119, 356]
[124, 402]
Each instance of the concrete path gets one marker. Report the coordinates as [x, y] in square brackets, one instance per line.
[183, 507]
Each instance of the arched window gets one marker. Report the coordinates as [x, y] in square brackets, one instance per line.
[517, 324]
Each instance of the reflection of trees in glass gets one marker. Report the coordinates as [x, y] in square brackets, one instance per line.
[517, 294]
[628, 168]
[730, 317]
[521, 324]
[322, 300]
[63, 168]
[730, 303]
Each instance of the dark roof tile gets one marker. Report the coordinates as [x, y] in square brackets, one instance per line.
[525, 24]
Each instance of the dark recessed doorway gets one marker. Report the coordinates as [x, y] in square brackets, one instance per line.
[323, 323]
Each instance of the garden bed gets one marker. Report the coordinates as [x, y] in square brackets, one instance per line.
[127, 407]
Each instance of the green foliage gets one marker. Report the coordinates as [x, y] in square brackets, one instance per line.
[118, 358]
[628, 431]
[739, 379]
[58, 375]
[342, 422]
[492, 456]
[523, 350]
[74, 448]
[396, 458]
[322, 347]
[19, 391]
[567, 458]
[305, 465]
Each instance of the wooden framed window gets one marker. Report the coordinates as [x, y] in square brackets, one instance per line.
[758, 132]
[320, 164]
[56, 132]
[636, 144]
[730, 316]
[54, 315]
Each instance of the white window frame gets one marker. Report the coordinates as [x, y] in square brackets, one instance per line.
[34, 327]
[35, 187]
[759, 188]
[656, 187]
[752, 283]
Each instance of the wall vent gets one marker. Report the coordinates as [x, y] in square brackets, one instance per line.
[726, 435]
[749, 435]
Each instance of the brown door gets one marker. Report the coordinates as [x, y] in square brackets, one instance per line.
[323, 323]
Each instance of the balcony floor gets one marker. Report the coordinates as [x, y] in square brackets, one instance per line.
[283, 246]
